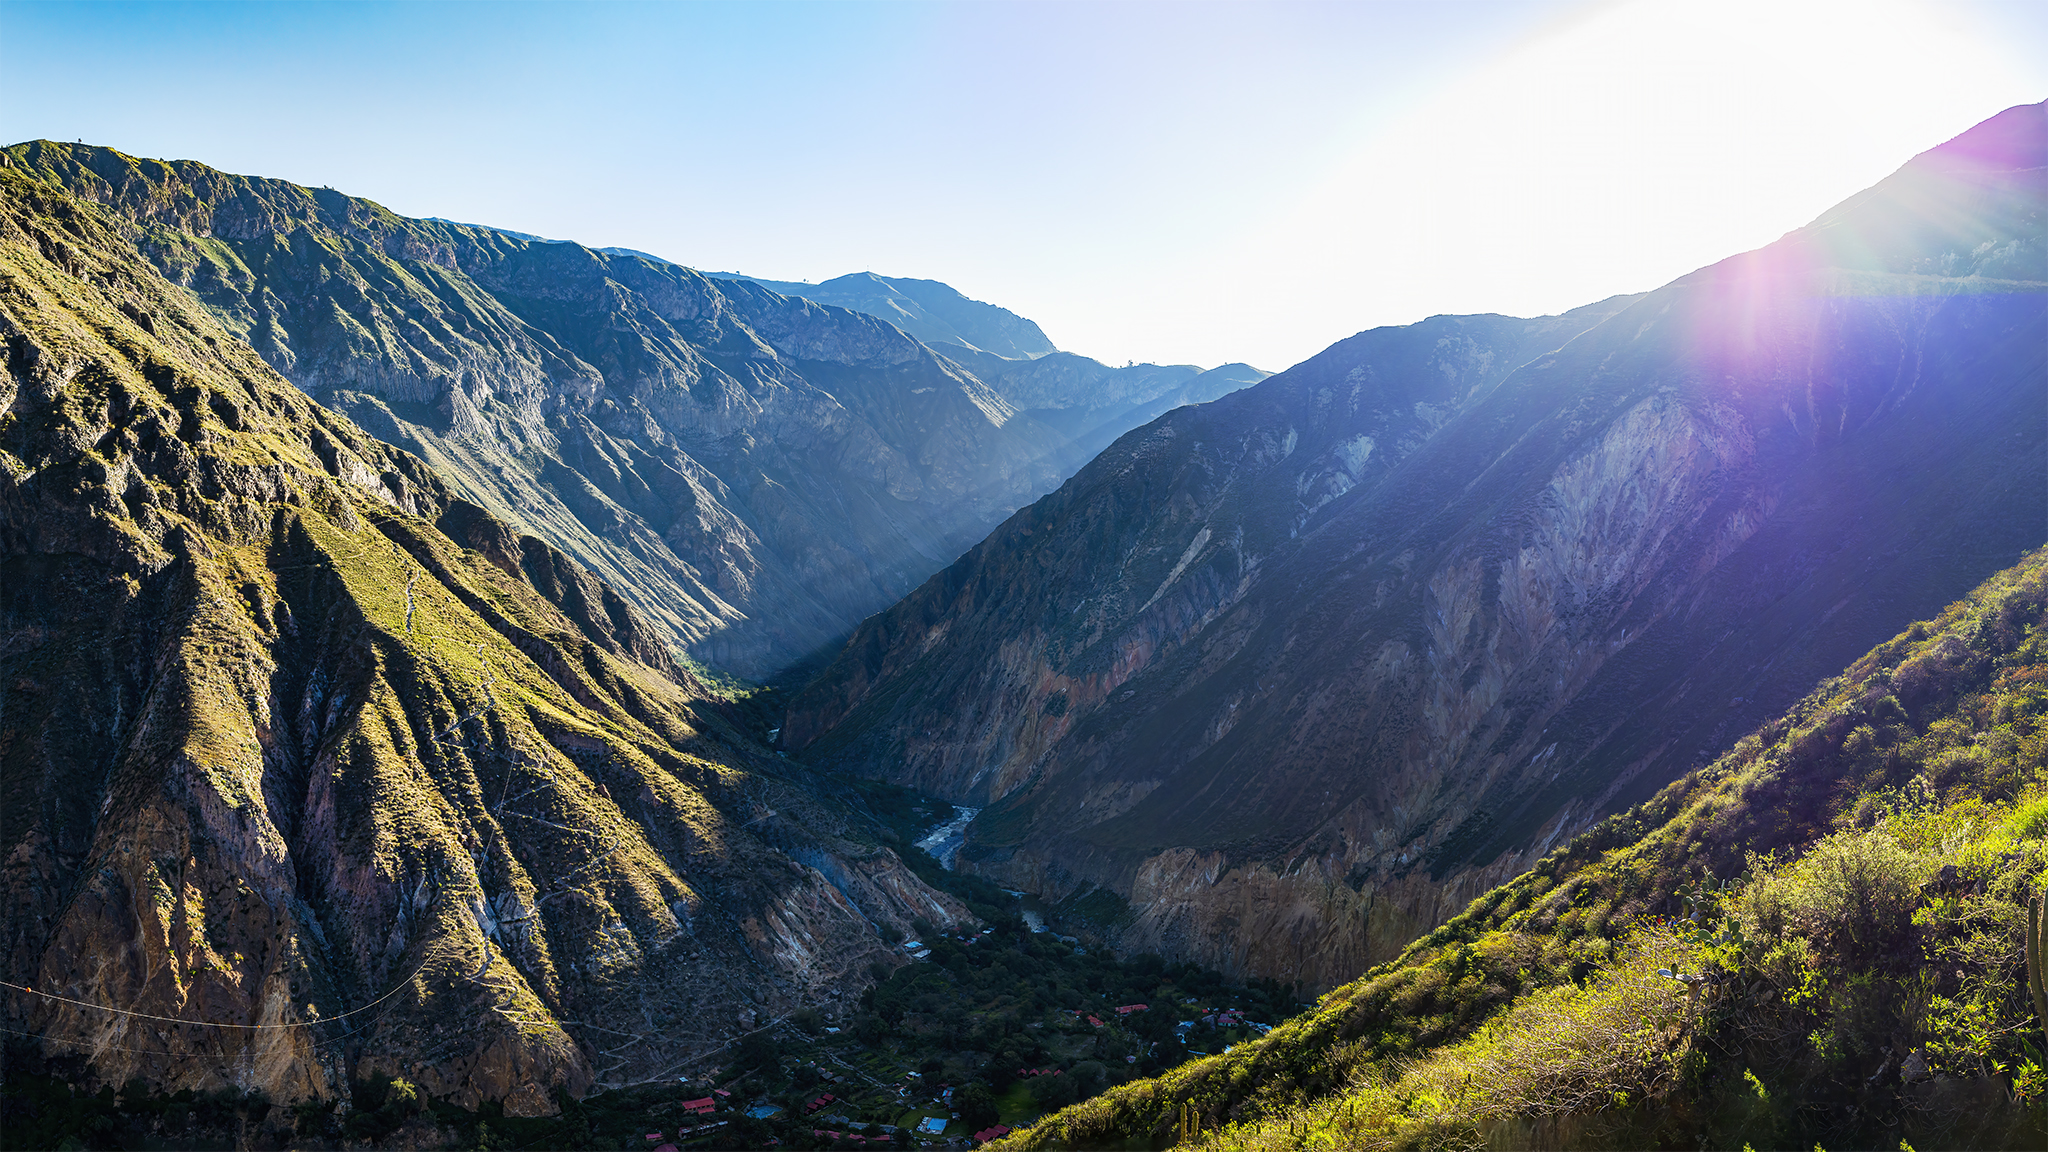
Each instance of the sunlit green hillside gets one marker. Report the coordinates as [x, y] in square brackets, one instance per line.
[1816, 939]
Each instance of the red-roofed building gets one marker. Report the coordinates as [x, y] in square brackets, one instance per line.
[702, 1107]
[988, 1134]
[1094, 1021]
[720, 1092]
[1127, 1009]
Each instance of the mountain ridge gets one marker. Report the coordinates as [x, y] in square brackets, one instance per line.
[1070, 392]
[1817, 937]
[755, 473]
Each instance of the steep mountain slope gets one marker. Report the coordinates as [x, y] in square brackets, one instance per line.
[1301, 671]
[1825, 936]
[312, 770]
[933, 312]
[755, 473]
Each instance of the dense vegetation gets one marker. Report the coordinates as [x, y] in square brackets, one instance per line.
[1816, 938]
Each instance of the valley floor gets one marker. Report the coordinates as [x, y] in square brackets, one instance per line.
[975, 1033]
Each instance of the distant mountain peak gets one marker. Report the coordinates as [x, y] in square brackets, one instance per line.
[933, 311]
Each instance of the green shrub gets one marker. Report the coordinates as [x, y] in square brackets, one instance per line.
[1853, 896]
[2030, 821]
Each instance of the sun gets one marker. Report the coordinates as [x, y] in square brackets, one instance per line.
[1615, 150]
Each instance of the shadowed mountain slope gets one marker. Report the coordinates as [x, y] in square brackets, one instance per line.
[300, 747]
[755, 473]
[1299, 672]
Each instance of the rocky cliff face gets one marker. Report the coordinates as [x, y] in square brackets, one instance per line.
[1299, 672]
[313, 769]
[755, 473]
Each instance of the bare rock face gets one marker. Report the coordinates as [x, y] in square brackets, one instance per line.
[1300, 672]
[754, 473]
[314, 769]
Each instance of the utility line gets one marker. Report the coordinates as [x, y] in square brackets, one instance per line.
[212, 1024]
[97, 1047]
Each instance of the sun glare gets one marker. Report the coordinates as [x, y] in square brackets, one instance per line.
[1616, 150]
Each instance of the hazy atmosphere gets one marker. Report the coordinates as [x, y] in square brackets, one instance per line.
[1183, 183]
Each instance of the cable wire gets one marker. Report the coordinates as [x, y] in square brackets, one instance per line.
[401, 986]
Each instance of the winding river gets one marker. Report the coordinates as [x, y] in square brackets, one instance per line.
[943, 841]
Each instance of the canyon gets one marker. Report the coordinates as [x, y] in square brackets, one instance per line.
[376, 596]
[1298, 673]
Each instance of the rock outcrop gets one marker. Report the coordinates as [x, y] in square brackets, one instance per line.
[313, 769]
[1299, 672]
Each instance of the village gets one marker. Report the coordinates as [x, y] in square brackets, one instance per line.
[946, 1054]
[980, 1032]
[970, 1034]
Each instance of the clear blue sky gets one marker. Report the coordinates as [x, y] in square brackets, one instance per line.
[1184, 182]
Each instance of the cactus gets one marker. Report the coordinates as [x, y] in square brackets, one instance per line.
[1702, 902]
[1190, 1122]
[2037, 962]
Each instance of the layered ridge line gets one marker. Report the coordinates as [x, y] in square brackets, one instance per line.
[755, 473]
